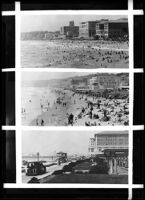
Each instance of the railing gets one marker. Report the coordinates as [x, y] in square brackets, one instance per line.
[112, 147]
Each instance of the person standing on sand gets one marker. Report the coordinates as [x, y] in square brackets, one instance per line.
[42, 122]
[58, 162]
[83, 110]
[91, 114]
[37, 122]
[70, 119]
[98, 104]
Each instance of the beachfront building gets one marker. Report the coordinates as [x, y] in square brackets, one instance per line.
[113, 145]
[105, 81]
[115, 140]
[103, 141]
[70, 31]
[92, 146]
[87, 29]
[79, 83]
[112, 29]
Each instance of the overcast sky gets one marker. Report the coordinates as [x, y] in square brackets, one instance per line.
[54, 22]
[48, 142]
[28, 76]
[34, 76]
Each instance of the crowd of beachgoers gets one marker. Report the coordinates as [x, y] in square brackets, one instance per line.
[75, 54]
[70, 108]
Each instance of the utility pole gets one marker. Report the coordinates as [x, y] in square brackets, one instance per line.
[38, 156]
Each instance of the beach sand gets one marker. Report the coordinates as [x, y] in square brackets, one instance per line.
[56, 114]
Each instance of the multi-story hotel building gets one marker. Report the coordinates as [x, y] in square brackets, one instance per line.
[70, 31]
[113, 29]
[87, 29]
[105, 140]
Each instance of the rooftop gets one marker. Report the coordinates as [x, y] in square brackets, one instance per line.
[61, 152]
[105, 133]
[122, 20]
[89, 21]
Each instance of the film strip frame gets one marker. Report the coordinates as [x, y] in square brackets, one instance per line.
[18, 127]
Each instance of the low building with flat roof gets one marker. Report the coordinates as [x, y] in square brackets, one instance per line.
[105, 81]
[79, 82]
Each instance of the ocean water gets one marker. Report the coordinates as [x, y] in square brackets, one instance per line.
[45, 53]
[47, 159]
[37, 53]
[31, 99]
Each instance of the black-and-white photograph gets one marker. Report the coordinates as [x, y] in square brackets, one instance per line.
[74, 41]
[74, 99]
[75, 157]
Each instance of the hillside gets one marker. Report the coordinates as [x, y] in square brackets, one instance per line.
[61, 83]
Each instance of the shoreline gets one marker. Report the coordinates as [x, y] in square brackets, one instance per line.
[57, 114]
[74, 54]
